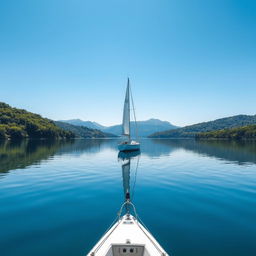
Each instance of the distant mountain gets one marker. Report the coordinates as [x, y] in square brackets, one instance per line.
[82, 131]
[239, 133]
[219, 124]
[88, 124]
[18, 123]
[145, 128]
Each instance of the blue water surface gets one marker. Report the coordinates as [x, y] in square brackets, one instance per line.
[196, 197]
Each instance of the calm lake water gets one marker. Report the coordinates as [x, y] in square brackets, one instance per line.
[58, 198]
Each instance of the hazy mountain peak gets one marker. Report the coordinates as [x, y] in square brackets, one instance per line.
[156, 121]
[88, 124]
[145, 128]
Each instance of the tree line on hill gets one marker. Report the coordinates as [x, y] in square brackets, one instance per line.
[210, 129]
[19, 123]
[239, 133]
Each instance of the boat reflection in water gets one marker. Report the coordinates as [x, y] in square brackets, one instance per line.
[127, 237]
[125, 158]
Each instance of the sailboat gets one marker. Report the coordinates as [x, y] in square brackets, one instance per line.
[127, 236]
[128, 144]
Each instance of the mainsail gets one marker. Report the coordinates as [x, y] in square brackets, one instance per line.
[126, 113]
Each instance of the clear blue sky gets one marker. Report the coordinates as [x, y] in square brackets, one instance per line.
[188, 61]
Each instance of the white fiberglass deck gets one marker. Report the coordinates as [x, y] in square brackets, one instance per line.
[127, 238]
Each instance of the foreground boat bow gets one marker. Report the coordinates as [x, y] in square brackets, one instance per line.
[127, 237]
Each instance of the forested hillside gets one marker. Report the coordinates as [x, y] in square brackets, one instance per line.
[240, 133]
[19, 123]
[192, 130]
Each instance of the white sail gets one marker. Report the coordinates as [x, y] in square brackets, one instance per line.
[126, 113]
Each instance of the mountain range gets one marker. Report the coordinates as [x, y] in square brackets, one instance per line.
[193, 130]
[145, 128]
[83, 131]
[88, 124]
[19, 123]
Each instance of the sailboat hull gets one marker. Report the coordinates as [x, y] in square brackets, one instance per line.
[129, 146]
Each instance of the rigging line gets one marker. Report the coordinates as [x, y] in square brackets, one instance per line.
[129, 89]
[136, 127]
[135, 177]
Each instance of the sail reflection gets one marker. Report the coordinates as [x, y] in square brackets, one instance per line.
[126, 158]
